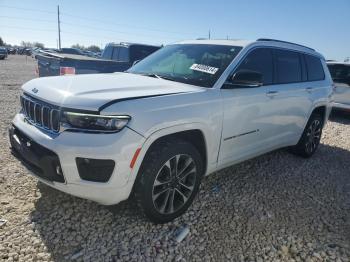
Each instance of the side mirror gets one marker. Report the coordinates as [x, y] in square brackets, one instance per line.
[245, 78]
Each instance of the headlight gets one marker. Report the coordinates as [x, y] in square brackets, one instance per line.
[90, 122]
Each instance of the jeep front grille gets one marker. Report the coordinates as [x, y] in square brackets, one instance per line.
[40, 114]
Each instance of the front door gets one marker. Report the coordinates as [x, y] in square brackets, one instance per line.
[248, 112]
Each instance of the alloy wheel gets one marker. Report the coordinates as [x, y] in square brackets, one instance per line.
[313, 136]
[174, 184]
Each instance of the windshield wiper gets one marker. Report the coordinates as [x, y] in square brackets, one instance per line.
[152, 75]
[158, 76]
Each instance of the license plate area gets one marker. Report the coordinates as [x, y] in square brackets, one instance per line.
[41, 161]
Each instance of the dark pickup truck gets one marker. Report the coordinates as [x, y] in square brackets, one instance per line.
[115, 58]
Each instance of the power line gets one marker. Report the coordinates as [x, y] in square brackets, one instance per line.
[28, 9]
[29, 19]
[115, 31]
[89, 19]
[121, 24]
[29, 29]
[85, 26]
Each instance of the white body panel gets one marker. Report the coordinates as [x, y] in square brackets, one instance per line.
[223, 116]
[341, 96]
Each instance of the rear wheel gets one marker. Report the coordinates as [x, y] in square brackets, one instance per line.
[311, 137]
[168, 180]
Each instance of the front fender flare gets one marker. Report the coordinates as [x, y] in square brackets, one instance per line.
[168, 131]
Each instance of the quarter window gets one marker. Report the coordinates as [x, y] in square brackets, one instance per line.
[259, 60]
[314, 68]
[288, 67]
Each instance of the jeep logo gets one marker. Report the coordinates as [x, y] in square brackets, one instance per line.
[34, 90]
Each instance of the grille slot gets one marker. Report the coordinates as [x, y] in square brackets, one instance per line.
[40, 114]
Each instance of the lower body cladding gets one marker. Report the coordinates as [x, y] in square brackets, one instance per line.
[91, 166]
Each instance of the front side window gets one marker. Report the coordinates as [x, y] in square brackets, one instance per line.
[288, 67]
[259, 60]
[340, 73]
[196, 64]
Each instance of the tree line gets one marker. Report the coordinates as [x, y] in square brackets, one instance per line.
[92, 48]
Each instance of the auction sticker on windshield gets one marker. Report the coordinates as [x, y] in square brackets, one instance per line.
[204, 68]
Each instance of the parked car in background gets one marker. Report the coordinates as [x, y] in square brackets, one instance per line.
[183, 112]
[3, 52]
[72, 51]
[11, 50]
[340, 72]
[115, 58]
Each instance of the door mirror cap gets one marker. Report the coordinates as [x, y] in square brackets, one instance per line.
[245, 78]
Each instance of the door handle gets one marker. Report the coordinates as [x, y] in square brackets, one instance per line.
[272, 93]
[309, 89]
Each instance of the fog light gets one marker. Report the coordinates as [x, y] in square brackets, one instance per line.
[95, 170]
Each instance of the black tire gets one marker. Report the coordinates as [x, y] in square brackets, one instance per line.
[159, 190]
[310, 138]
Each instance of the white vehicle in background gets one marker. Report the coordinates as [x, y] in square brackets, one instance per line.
[185, 111]
[340, 73]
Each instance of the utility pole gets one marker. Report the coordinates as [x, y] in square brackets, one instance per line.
[59, 27]
[209, 34]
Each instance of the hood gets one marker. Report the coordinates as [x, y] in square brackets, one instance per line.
[93, 92]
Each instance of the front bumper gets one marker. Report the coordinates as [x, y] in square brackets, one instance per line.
[67, 146]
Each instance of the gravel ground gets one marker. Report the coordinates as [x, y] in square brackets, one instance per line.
[277, 207]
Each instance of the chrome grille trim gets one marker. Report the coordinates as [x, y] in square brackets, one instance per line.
[32, 108]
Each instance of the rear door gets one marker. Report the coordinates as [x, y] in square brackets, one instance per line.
[290, 97]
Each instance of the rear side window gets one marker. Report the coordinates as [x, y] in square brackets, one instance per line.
[288, 67]
[138, 52]
[123, 54]
[314, 68]
[259, 60]
[115, 55]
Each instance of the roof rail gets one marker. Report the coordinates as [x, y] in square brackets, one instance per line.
[286, 42]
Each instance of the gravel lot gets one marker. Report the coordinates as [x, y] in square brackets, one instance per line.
[277, 207]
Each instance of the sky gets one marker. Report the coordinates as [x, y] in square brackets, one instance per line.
[322, 25]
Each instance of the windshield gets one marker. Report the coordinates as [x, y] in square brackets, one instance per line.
[340, 73]
[196, 64]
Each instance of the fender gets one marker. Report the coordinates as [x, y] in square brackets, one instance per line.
[316, 105]
[210, 145]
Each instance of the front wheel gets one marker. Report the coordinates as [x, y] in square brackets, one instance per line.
[310, 138]
[168, 180]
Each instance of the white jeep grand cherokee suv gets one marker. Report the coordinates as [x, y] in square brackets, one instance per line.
[185, 111]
